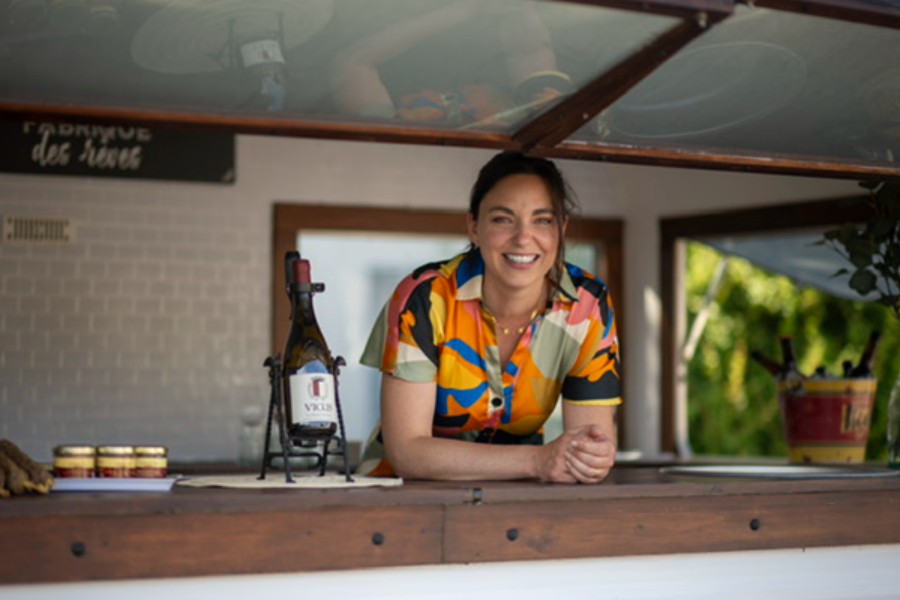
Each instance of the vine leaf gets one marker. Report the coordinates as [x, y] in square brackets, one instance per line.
[873, 248]
[863, 281]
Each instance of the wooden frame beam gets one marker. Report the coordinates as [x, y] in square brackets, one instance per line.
[561, 121]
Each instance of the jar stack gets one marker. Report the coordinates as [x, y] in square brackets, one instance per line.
[113, 461]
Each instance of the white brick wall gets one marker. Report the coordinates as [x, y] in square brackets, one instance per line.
[153, 326]
[150, 328]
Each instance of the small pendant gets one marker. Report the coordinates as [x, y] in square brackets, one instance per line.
[506, 331]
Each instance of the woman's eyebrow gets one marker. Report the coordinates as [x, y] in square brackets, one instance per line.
[509, 211]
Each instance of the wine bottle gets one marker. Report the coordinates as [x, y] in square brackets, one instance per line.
[309, 385]
[768, 363]
[821, 372]
[790, 373]
[864, 367]
[846, 368]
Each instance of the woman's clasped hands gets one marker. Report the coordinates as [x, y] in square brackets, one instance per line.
[581, 455]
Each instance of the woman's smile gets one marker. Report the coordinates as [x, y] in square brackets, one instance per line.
[521, 259]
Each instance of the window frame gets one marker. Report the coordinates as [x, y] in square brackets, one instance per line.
[290, 219]
[673, 234]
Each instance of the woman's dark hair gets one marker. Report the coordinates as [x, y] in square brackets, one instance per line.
[561, 196]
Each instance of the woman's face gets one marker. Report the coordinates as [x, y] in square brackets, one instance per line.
[516, 230]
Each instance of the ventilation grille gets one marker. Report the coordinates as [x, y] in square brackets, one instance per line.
[38, 229]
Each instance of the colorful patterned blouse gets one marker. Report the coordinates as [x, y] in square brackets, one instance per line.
[435, 328]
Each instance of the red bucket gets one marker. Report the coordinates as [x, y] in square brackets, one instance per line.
[827, 420]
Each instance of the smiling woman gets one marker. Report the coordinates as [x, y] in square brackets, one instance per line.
[480, 348]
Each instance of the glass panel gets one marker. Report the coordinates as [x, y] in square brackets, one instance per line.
[771, 82]
[477, 64]
[359, 272]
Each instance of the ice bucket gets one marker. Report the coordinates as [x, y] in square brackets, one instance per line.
[827, 420]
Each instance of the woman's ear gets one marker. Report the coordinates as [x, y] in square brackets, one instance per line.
[472, 228]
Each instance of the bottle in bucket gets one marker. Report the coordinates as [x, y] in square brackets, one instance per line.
[864, 367]
[790, 373]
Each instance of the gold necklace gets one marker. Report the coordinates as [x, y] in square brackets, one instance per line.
[518, 330]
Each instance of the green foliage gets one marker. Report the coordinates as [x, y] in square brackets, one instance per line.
[733, 406]
[873, 249]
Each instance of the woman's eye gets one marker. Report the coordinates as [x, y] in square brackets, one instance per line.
[501, 220]
[544, 221]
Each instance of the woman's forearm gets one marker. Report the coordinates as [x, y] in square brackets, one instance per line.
[426, 457]
[407, 413]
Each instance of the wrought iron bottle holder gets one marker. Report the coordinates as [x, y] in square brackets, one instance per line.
[308, 446]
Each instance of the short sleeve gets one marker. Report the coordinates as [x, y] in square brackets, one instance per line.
[594, 375]
[402, 339]
[373, 353]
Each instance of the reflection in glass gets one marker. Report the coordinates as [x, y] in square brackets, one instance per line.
[743, 81]
[528, 64]
[762, 81]
[473, 64]
[770, 82]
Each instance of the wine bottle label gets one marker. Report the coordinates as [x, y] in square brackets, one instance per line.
[312, 398]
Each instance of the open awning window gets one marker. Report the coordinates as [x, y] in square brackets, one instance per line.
[804, 87]
[796, 255]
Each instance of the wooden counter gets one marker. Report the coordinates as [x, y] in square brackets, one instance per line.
[638, 511]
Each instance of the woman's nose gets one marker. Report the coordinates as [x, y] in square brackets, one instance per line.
[523, 231]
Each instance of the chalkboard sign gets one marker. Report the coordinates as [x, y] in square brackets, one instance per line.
[115, 151]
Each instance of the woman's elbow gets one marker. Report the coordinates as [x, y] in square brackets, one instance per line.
[405, 460]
